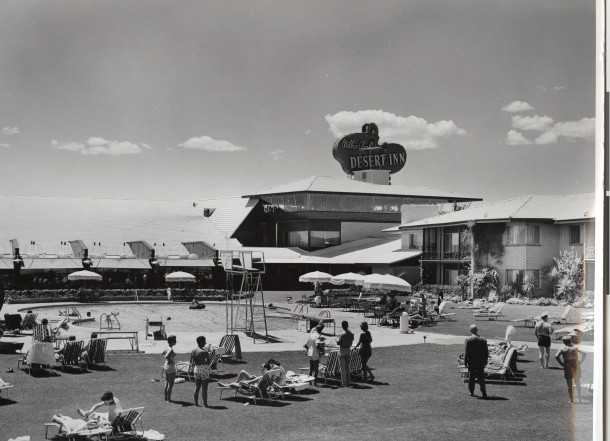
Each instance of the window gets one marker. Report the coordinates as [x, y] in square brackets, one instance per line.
[575, 235]
[412, 241]
[450, 276]
[321, 239]
[516, 277]
[452, 242]
[523, 235]
[297, 239]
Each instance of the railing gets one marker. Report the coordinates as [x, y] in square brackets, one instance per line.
[434, 254]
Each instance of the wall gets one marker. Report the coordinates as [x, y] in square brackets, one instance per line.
[351, 231]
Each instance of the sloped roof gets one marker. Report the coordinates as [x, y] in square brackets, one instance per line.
[557, 208]
[228, 213]
[47, 221]
[325, 184]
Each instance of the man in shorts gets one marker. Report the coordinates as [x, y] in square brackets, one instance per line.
[543, 331]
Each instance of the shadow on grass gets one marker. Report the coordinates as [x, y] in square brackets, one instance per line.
[259, 402]
[7, 402]
[73, 370]
[217, 407]
[222, 376]
[233, 361]
[297, 398]
[309, 392]
[493, 398]
[102, 368]
[41, 373]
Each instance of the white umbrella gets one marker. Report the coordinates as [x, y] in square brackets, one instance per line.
[180, 276]
[386, 282]
[346, 279]
[84, 275]
[315, 277]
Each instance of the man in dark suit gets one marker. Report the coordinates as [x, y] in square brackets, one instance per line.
[476, 354]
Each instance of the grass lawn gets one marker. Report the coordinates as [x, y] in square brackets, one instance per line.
[418, 394]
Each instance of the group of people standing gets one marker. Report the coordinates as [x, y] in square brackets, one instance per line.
[476, 354]
[315, 347]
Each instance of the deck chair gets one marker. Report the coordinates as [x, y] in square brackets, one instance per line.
[504, 370]
[231, 343]
[29, 321]
[355, 363]
[42, 332]
[263, 390]
[69, 434]
[492, 314]
[4, 386]
[70, 354]
[528, 321]
[216, 364]
[95, 352]
[442, 315]
[125, 422]
[564, 316]
[12, 323]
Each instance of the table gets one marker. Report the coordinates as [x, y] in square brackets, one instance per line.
[41, 353]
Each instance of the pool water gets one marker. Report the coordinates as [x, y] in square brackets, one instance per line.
[176, 317]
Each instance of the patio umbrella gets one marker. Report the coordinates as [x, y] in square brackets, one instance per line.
[346, 279]
[84, 275]
[315, 277]
[386, 282]
[180, 276]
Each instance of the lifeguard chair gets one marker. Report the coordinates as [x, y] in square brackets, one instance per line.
[154, 323]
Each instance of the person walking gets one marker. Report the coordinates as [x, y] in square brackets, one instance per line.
[169, 368]
[365, 350]
[345, 340]
[200, 359]
[567, 357]
[313, 351]
[476, 354]
[543, 331]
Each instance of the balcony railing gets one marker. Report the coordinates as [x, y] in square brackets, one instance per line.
[434, 254]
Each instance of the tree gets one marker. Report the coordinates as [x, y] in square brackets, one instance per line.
[527, 287]
[568, 275]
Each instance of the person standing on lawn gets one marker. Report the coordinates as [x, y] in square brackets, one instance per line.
[365, 350]
[200, 359]
[169, 368]
[345, 340]
[543, 331]
[476, 354]
[568, 358]
[312, 346]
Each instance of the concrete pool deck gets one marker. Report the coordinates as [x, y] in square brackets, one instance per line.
[283, 340]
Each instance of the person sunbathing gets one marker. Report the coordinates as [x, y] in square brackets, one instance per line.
[245, 378]
[108, 399]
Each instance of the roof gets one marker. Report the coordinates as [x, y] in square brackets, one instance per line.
[325, 184]
[365, 251]
[579, 207]
[48, 221]
[227, 213]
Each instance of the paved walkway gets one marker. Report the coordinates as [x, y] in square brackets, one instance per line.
[285, 340]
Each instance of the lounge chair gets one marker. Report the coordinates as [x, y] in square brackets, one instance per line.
[442, 315]
[231, 343]
[12, 323]
[264, 389]
[71, 354]
[529, 321]
[73, 433]
[498, 368]
[492, 314]
[565, 315]
[4, 386]
[125, 422]
[95, 352]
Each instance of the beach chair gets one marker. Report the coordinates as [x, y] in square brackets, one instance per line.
[264, 389]
[230, 343]
[355, 362]
[564, 316]
[216, 364]
[71, 354]
[69, 434]
[505, 369]
[4, 386]
[442, 315]
[124, 425]
[492, 314]
[528, 322]
[42, 332]
[95, 352]
[29, 321]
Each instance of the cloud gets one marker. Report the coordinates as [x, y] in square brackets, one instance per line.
[570, 130]
[8, 131]
[517, 106]
[516, 138]
[537, 123]
[276, 154]
[99, 146]
[412, 132]
[559, 87]
[5, 145]
[211, 145]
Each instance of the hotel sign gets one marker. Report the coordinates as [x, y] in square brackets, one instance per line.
[361, 151]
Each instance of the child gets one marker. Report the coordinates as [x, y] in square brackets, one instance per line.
[571, 365]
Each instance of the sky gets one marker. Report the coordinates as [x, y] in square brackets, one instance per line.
[203, 99]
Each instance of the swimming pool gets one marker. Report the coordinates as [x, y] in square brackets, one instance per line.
[177, 317]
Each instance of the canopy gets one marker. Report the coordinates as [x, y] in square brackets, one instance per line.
[315, 277]
[386, 282]
[84, 275]
[180, 276]
[346, 279]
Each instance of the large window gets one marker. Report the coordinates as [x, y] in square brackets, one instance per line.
[296, 239]
[322, 239]
[450, 276]
[516, 277]
[523, 235]
[575, 238]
